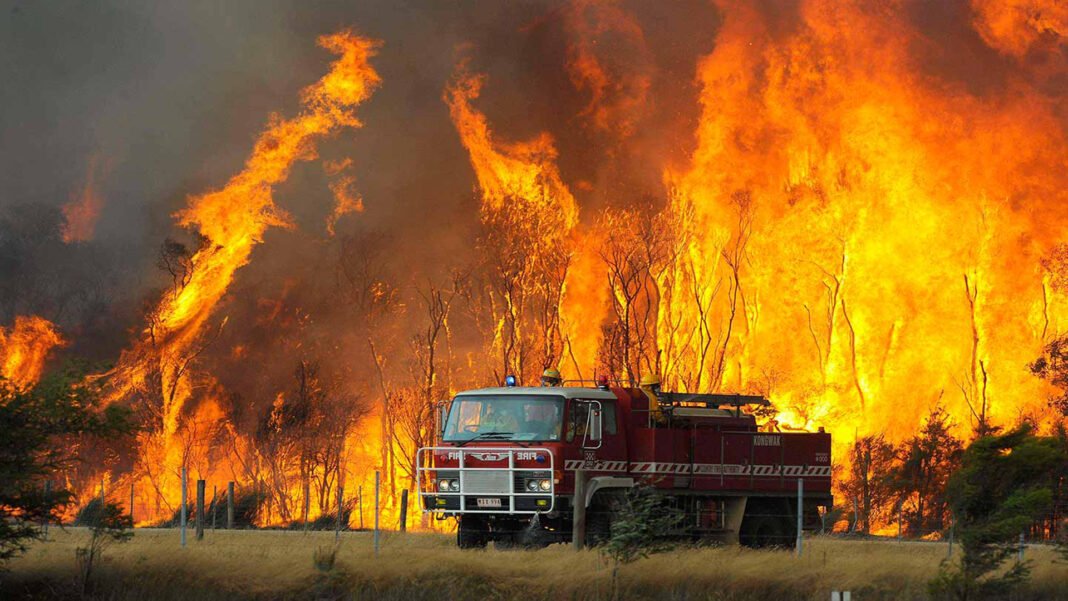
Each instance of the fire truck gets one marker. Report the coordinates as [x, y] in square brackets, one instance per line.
[509, 457]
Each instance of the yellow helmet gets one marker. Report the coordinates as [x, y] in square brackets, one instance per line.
[649, 381]
[550, 377]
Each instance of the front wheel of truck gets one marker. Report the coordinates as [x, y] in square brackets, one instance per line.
[471, 534]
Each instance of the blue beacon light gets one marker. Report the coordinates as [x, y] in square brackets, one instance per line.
[509, 381]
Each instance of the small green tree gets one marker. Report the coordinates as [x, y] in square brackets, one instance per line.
[640, 528]
[1002, 486]
[108, 524]
[925, 463]
[37, 426]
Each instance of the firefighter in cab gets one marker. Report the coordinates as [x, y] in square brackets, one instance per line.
[551, 377]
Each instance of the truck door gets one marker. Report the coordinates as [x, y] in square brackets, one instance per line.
[610, 457]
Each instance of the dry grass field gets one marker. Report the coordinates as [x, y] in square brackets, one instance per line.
[280, 565]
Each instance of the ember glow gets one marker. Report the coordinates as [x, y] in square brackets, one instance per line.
[850, 207]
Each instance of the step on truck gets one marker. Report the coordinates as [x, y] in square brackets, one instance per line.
[508, 459]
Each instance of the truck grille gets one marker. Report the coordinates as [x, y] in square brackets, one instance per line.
[495, 481]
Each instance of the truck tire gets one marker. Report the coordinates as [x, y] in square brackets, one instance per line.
[470, 535]
[767, 525]
[761, 532]
[598, 526]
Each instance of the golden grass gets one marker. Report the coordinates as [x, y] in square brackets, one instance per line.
[279, 564]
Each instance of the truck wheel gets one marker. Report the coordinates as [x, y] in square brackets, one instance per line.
[598, 527]
[763, 531]
[470, 535]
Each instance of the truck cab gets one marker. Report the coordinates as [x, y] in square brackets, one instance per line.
[507, 464]
[501, 462]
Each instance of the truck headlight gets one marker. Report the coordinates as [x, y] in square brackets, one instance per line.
[539, 485]
[454, 485]
[443, 485]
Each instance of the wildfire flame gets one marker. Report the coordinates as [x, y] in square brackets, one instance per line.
[854, 234]
[346, 200]
[523, 171]
[231, 222]
[857, 241]
[82, 212]
[871, 222]
[24, 348]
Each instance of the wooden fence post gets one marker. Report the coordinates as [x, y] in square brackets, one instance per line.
[230, 505]
[48, 495]
[404, 511]
[184, 501]
[307, 501]
[377, 485]
[340, 509]
[201, 485]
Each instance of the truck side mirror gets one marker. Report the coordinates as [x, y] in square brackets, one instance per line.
[596, 425]
[443, 414]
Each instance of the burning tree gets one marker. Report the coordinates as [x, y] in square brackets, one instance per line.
[302, 441]
[1052, 366]
[639, 250]
[374, 299]
[528, 215]
[228, 224]
[412, 417]
[868, 482]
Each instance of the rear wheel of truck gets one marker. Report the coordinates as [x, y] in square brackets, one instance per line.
[767, 525]
[598, 526]
[471, 534]
[760, 532]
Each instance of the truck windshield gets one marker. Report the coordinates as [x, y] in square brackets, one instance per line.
[504, 417]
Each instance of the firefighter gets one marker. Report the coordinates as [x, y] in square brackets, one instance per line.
[551, 377]
[650, 385]
[500, 420]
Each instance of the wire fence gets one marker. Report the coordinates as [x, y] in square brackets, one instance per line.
[230, 505]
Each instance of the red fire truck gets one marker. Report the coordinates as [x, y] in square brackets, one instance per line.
[506, 467]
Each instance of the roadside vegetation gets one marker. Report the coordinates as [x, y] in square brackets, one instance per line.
[290, 565]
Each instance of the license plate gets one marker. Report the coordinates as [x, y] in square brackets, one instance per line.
[488, 502]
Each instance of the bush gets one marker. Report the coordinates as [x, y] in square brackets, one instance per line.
[248, 505]
[1002, 486]
[327, 521]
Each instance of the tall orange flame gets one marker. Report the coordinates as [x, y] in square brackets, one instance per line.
[872, 230]
[24, 348]
[231, 222]
[523, 171]
[522, 191]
